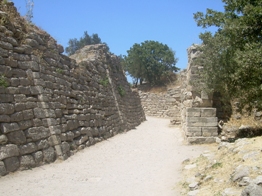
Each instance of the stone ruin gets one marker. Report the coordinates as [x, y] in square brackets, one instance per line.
[185, 106]
[199, 119]
[51, 105]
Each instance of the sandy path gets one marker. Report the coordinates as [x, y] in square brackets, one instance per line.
[142, 162]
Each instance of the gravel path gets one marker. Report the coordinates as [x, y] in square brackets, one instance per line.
[142, 162]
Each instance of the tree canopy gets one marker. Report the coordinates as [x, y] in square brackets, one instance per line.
[232, 57]
[149, 61]
[75, 44]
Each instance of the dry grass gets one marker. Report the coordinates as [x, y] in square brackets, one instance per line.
[220, 166]
[247, 120]
[170, 81]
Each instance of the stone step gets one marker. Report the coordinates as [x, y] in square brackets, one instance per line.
[201, 140]
[201, 112]
[201, 121]
[201, 131]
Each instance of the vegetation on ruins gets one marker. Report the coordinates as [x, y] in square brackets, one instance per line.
[86, 39]
[121, 91]
[149, 61]
[29, 10]
[104, 82]
[232, 57]
[59, 70]
[3, 81]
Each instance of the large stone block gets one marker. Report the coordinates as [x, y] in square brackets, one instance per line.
[49, 122]
[36, 90]
[28, 114]
[55, 130]
[44, 113]
[193, 131]
[27, 148]
[17, 137]
[209, 131]
[72, 124]
[37, 133]
[25, 124]
[206, 103]
[9, 150]
[201, 140]
[70, 136]
[208, 112]
[9, 127]
[42, 144]
[65, 147]
[19, 107]
[54, 140]
[4, 118]
[16, 117]
[27, 162]
[6, 98]
[30, 105]
[6, 108]
[3, 139]
[2, 169]
[49, 155]
[201, 121]
[12, 164]
[38, 156]
[193, 112]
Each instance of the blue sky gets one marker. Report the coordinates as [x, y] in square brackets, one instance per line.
[123, 23]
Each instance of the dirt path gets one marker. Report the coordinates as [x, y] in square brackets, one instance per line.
[142, 162]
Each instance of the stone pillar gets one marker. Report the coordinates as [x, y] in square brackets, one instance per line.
[199, 120]
[201, 125]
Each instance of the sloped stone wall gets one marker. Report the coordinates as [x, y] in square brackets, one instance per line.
[51, 105]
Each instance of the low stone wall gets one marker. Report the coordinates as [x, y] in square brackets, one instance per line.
[165, 104]
[50, 105]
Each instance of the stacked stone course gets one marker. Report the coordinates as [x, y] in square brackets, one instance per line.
[199, 120]
[51, 105]
[165, 104]
[185, 106]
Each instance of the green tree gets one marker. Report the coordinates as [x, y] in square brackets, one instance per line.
[95, 39]
[86, 39]
[73, 46]
[149, 61]
[232, 57]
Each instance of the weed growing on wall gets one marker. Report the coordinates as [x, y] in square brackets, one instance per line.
[104, 82]
[29, 10]
[121, 91]
[3, 81]
[216, 165]
[58, 70]
[5, 1]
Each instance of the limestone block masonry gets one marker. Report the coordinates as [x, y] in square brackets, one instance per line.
[164, 105]
[201, 125]
[199, 118]
[51, 105]
[185, 106]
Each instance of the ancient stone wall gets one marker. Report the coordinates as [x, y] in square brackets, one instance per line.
[199, 118]
[165, 104]
[185, 105]
[51, 105]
